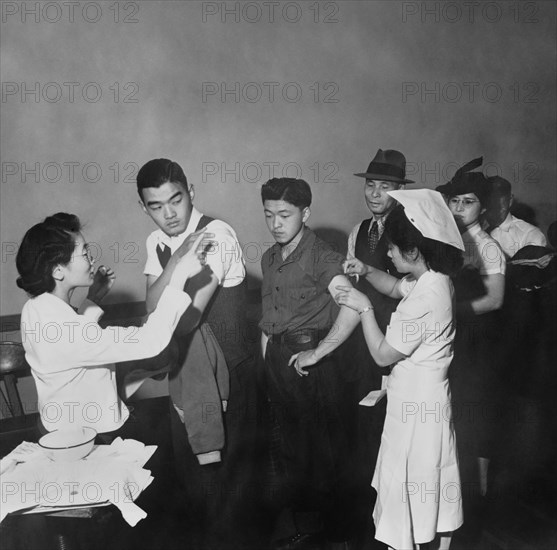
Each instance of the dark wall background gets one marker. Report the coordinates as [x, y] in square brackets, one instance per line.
[443, 86]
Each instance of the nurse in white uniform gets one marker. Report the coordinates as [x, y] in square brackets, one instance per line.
[417, 478]
[71, 357]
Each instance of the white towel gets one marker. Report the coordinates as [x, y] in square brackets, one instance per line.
[110, 473]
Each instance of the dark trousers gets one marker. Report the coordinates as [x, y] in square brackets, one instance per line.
[308, 450]
[476, 385]
[363, 427]
[219, 499]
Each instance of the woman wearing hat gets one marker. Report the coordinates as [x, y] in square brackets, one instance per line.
[480, 290]
[416, 477]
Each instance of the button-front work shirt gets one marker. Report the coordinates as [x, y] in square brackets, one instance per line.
[295, 292]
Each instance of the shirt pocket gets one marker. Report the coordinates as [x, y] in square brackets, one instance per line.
[302, 295]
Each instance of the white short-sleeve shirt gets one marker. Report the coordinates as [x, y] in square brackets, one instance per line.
[514, 234]
[225, 259]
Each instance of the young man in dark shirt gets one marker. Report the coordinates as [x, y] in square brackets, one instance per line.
[300, 273]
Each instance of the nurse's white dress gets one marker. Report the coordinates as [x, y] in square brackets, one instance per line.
[417, 478]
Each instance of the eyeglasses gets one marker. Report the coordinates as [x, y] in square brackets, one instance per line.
[467, 203]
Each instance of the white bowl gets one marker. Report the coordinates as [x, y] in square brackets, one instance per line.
[68, 444]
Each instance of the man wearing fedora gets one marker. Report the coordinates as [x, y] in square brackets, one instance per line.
[367, 247]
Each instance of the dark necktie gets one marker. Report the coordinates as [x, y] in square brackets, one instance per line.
[163, 252]
[373, 237]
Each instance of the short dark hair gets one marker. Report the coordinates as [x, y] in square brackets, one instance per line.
[499, 187]
[439, 256]
[294, 191]
[157, 172]
[44, 246]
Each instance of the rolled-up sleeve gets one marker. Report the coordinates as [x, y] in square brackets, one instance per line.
[152, 265]
[225, 258]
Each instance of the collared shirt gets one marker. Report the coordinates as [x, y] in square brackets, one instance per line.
[72, 358]
[514, 234]
[351, 253]
[482, 252]
[295, 290]
[225, 259]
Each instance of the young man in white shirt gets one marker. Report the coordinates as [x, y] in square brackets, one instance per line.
[219, 301]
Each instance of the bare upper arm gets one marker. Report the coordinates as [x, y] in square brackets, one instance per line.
[338, 280]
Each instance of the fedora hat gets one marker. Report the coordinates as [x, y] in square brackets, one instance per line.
[387, 165]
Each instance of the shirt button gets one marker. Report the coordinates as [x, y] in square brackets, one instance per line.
[280, 270]
[303, 296]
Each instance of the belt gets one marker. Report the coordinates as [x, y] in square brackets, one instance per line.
[302, 337]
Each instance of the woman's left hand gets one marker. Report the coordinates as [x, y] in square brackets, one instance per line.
[352, 298]
[102, 283]
[302, 360]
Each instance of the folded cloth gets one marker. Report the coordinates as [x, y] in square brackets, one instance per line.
[109, 474]
[532, 268]
[199, 390]
[24, 452]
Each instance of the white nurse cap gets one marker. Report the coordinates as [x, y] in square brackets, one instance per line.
[430, 215]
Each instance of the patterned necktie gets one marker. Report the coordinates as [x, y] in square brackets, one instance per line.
[163, 252]
[373, 237]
